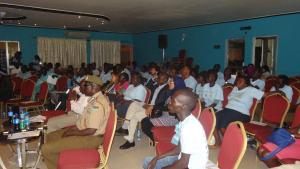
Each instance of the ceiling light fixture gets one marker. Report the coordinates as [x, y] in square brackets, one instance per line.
[89, 26]
[65, 27]
[35, 24]
[79, 17]
[19, 23]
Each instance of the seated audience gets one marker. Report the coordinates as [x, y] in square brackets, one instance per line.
[265, 71]
[122, 84]
[283, 88]
[77, 108]
[256, 80]
[89, 128]
[201, 80]
[24, 74]
[220, 78]
[138, 111]
[192, 151]
[212, 92]
[189, 80]
[105, 75]
[135, 92]
[151, 83]
[238, 107]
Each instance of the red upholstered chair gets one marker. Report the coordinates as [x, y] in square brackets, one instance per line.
[233, 146]
[38, 105]
[33, 78]
[270, 82]
[296, 85]
[91, 158]
[226, 91]
[18, 83]
[27, 88]
[61, 84]
[52, 113]
[207, 119]
[165, 133]
[295, 97]
[275, 108]
[253, 109]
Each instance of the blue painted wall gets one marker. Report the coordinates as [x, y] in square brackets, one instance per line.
[199, 42]
[28, 38]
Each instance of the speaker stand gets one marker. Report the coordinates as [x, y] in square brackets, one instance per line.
[163, 55]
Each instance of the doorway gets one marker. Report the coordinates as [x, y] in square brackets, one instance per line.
[7, 51]
[126, 54]
[265, 51]
[235, 53]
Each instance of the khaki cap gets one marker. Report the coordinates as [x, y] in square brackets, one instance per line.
[94, 79]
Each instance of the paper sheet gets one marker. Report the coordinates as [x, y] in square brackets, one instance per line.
[258, 123]
[38, 118]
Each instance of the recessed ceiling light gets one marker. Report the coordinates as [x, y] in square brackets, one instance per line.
[97, 19]
[89, 26]
[35, 24]
[102, 22]
[79, 16]
[1, 22]
[19, 23]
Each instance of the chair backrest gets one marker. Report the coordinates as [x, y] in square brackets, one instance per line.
[275, 108]
[148, 95]
[208, 120]
[269, 83]
[233, 146]
[61, 84]
[68, 101]
[296, 120]
[197, 110]
[27, 88]
[226, 91]
[18, 83]
[295, 96]
[253, 108]
[296, 84]
[108, 136]
[33, 78]
[292, 80]
[42, 96]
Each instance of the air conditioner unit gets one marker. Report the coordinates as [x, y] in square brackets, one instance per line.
[77, 35]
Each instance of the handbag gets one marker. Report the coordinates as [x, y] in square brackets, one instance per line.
[280, 137]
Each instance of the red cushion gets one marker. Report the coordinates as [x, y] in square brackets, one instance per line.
[262, 135]
[163, 147]
[14, 101]
[163, 133]
[52, 113]
[253, 128]
[30, 103]
[78, 159]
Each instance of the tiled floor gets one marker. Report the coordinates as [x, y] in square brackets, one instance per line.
[132, 158]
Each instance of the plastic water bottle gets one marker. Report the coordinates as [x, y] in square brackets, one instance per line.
[138, 134]
[27, 121]
[16, 123]
[22, 118]
[10, 115]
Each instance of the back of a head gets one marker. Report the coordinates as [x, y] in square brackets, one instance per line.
[187, 98]
[284, 79]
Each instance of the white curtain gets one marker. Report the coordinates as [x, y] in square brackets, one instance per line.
[65, 51]
[105, 51]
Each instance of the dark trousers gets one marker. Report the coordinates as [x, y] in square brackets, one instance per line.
[147, 127]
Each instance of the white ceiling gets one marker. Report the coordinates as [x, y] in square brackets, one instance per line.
[134, 16]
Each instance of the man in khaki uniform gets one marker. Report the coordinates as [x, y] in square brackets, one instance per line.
[88, 130]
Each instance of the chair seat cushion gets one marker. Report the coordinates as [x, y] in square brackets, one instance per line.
[252, 128]
[262, 135]
[52, 113]
[30, 103]
[163, 147]
[163, 133]
[78, 159]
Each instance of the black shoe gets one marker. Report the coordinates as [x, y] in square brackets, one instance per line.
[122, 131]
[127, 145]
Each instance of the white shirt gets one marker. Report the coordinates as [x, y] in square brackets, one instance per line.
[135, 93]
[199, 91]
[241, 100]
[212, 95]
[190, 82]
[96, 72]
[105, 77]
[259, 83]
[157, 90]
[193, 142]
[79, 105]
[287, 90]
[220, 79]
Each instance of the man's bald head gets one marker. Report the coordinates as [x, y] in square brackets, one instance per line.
[187, 98]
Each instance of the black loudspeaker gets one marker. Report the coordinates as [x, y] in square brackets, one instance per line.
[162, 41]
